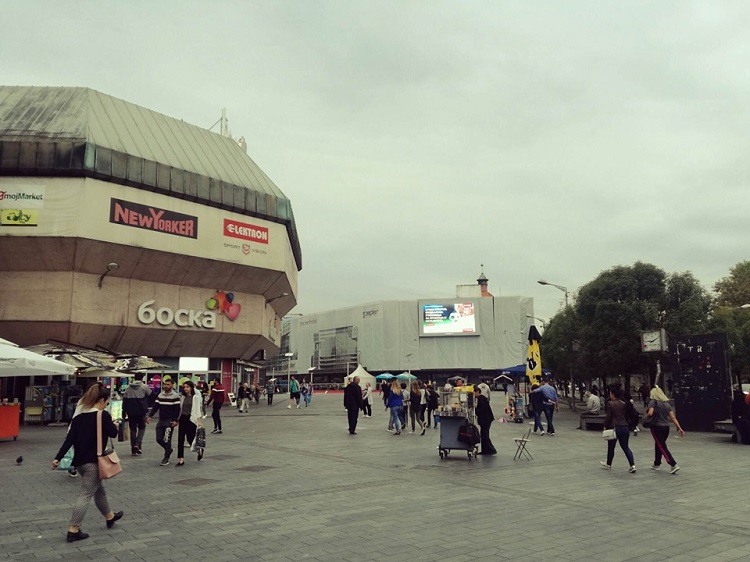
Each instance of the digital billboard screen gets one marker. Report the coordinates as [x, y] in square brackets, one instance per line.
[445, 318]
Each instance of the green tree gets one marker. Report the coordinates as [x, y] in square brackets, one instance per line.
[734, 290]
[728, 316]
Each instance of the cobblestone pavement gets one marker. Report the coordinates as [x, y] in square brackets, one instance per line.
[284, 484]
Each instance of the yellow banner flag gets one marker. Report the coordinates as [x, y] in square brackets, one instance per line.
[534, 363]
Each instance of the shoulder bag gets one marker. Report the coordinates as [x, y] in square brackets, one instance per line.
[109, 462]
[609, 434]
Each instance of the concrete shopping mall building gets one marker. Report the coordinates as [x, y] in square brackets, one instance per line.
[123, 228]
[473, 335]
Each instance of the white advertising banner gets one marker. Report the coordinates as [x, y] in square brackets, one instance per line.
[98, 210]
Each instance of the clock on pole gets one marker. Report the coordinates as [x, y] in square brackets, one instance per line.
[652, 340]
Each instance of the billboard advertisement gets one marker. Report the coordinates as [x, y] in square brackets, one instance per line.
[448, 318]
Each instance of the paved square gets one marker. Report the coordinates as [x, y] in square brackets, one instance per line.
[284, 484]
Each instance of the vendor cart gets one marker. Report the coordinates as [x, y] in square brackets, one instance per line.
[456, 410]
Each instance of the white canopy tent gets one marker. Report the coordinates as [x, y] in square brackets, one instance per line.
[364, 377]
[19, 362]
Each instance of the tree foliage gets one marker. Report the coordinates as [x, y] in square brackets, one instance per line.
[600, 335]
[734, 290]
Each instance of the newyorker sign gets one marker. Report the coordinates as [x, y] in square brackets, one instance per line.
[152, 218]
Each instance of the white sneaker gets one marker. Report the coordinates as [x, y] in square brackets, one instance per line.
[541, 434]
[298, 406]
[632, 469]
[605, 466]
[655, 467]
[674, 470]
[289, 407]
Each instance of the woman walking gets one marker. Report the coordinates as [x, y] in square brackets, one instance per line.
[82, 435]
[662, 414]
[415, 408]
[191, 412]
[367, 400]
[617, 419]
[537, 408]
[395, 403]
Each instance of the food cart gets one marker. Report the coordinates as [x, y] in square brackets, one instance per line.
[456, 410]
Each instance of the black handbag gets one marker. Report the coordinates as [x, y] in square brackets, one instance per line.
[468, 433]
[200, 438]
[648, 421]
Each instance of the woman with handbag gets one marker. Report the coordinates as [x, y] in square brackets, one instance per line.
[617, 419]
[83, 432]
[191, 413]
[658, 417]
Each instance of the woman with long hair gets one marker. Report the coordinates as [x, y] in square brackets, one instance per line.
[617, 419]
[662, 414]
[83, 435]
[395, 403]
[190, 420]
[415, 407]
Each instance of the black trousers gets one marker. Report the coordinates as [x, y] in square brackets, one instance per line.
[270, 398]
[484, 436]
[137, 426]
[186, 428]
[367, 409]
[216, 415]
[352, 414]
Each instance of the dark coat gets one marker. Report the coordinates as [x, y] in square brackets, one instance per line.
[484, 411]
[82, 435]
[353, 396]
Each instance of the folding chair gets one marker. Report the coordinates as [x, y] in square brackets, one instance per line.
[521, 445]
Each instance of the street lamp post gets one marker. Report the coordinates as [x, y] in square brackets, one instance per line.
[570, 343]
[544, 324]
[310, 372]
[288, 371]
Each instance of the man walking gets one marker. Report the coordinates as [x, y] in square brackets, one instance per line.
[353, 403]
[168, 406]
[293, 393]
[243, 397]
[135, 406]
[217, 397]
[550, 404]
[269, 392]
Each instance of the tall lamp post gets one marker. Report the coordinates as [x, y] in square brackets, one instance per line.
[570, 343]
[310, 372]
[288, 371]
[544, 324]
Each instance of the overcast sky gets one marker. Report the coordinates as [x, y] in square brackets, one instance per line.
[418, 140]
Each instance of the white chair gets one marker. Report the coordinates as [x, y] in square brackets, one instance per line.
[521, 446]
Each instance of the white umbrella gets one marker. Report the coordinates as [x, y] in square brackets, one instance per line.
[18, 362]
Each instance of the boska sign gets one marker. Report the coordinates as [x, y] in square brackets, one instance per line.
[181, 317]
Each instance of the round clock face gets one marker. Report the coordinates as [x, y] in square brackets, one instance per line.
[651, 340]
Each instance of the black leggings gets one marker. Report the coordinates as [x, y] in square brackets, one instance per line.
[186, 428]
[660, 434]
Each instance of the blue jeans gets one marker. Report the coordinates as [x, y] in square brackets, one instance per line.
[623, 436]
[396, 418]
[538, 421]
[549, 410]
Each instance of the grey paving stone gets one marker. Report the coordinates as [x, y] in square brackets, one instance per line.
[293, 485]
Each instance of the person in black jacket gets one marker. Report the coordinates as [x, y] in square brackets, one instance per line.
[82, 435]
[135, 405]
[353, 403]
[485, 417]
[537, 408]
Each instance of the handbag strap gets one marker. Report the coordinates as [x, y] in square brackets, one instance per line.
[99, 433]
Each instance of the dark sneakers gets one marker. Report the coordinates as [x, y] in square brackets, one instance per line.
[115, 519]
[79, 536]
[164, 461]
